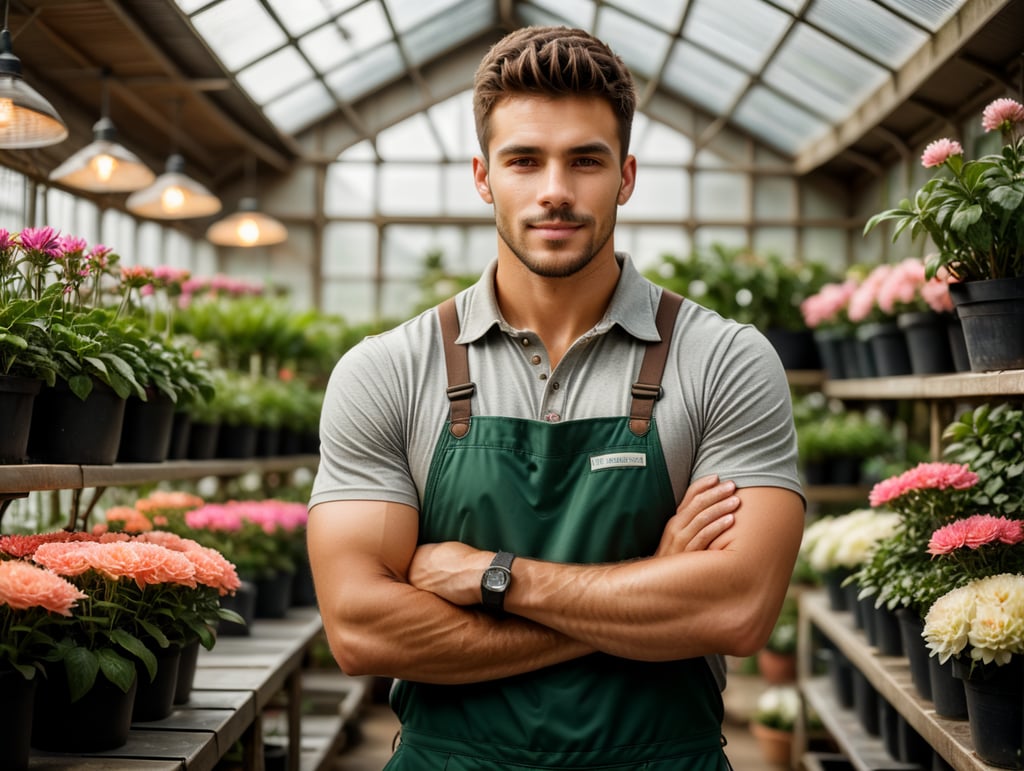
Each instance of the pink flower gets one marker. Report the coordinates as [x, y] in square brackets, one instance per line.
[924, 476]
[65, 559]
[1002, 114]
[865, 296]
[7, 241]
[71, 245]
[940, 151]
[901, 286]
[41, 240]
[936, 291]
[24, 586]
[132, 520]
[975, 531]
[827, 304]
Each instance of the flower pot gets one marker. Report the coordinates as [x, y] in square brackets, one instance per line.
[146, 433]
[992, 314]
[947, 690]
[236, 441]
[268, 441]
[154, 699]
[303, 590]
[796, 348]
[243, 602]
[186, 671]
[776, 745]
[66, 429]
[840, 674]
[927, 337]
[887, 632]
[957, 344]
[274, 595]
[98, 721]
[834, 586]
[181, 427]
[915, 649]
[17, 396]
[202, 440]
[888, 348]
[995, 710]
[865, 703]
[829, 345]
[17, 697]
[888, 727]
[776, 668]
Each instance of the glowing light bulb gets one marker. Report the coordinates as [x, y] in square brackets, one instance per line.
[248, 231]
[6, 112]
[104, 165]
[173, 198]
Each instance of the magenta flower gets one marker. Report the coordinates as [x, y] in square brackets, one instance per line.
[974, 532]
[1002, 114]
[924, 476]
[71, 245]
[940, 151]
[7, 241]
[40, 240]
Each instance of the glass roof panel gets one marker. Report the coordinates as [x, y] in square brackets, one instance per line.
[239, 32]
[655, 143]
[367, 72]
[300, 108]
[702, 79]
[575, 13]
[191, 6]
[867, 26]
[824, 76]
[272, 76]
[789, 128]
[365, 26]
[299, 16]
[742, 31]
[407, 14]
[326, 47]
[454, 121]
[441, 33]
[409, 140]
[666, 15]
[930, 13]
[641, 47]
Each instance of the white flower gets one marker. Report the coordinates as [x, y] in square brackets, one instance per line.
[987, 614]
[947, 625]
[846, 541]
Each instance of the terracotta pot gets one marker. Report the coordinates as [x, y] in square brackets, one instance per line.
[776, 668]
[776, 745]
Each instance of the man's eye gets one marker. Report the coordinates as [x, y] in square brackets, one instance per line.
[587, 162]
[521, 162]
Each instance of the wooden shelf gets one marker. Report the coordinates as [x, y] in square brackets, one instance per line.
[890, 676]
[838, 493]
[962, 385]
[23, 478]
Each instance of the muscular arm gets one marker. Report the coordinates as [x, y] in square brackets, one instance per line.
[378, 623]
[679, 605]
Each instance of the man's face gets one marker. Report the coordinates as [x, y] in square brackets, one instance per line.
[555, 177]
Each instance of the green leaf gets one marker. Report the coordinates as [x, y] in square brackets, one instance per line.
[137, 648]
[117, 669]
[82, 665]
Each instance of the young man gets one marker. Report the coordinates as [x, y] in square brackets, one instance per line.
[499, 523]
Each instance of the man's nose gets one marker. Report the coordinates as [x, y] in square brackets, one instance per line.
[556, 190]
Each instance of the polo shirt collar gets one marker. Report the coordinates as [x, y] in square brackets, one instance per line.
[632, 307]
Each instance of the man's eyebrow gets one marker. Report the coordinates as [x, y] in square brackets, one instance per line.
[591, 148]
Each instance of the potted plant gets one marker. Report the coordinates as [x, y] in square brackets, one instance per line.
[972, 212]
[776, 661]
[774, 719]
[833, 442]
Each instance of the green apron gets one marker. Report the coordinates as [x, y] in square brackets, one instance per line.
[535, 488]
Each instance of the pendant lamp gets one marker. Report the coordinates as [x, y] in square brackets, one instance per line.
[247, 227]
[174, 195]
[104, 165]
[26, 118]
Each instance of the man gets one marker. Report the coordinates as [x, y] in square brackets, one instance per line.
[499, 523]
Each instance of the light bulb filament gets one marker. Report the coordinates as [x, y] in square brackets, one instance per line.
[104, 165]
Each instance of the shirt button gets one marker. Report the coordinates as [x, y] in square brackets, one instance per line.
[526, 341]
[535, 359]
[543, 376]
[555, 386]
[552, 417]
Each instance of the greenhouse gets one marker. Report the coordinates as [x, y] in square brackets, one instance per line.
[206, 205]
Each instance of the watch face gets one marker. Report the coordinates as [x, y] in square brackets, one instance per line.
[496, 579]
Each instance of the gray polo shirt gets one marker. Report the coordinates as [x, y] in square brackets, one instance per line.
[726, 406]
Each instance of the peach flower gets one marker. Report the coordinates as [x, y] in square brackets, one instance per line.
[24, 585]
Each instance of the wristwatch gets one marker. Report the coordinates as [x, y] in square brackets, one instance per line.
[496, 581]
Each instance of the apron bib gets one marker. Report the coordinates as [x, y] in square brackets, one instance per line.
[586, 491]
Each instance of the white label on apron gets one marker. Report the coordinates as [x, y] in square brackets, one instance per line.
[618, 460]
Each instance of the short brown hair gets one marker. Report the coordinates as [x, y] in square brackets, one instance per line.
[552, 61]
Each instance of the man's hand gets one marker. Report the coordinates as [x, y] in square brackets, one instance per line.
[452, 570]
[705, 512]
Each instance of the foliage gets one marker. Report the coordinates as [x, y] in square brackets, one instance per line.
[973, 211]
[826, 429]
[784, 633]
[990, 439]
[765, 291]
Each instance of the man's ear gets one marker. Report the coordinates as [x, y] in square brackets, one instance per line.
[628, 183]
[483, 184]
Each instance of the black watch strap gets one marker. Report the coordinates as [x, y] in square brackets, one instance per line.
[496, 581]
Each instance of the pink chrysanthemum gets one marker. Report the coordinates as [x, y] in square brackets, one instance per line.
[24, 586]
[940, 151]
[974, 532]
[1003, 115]
[65, 559]
[924, 476]
[41, 240]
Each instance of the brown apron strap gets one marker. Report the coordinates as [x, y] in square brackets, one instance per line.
[456, 362]
[647, 388]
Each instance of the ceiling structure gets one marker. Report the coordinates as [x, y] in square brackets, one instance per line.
[840, 88]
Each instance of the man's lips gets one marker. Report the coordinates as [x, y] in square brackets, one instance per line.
[555, 231]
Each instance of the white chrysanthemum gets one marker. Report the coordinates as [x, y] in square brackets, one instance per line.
[947, 626]
[864, 529]
[782, 701]
[1005, 589]
[995, 634]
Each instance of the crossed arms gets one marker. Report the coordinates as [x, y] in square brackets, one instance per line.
[715, 585]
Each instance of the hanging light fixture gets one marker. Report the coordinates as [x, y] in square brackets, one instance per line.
[104, 165]
[174, 195]
[248, 226]
[26, 118]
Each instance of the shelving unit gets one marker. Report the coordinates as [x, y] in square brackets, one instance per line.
[890, 676]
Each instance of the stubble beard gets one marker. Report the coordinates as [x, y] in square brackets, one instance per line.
[564, 267]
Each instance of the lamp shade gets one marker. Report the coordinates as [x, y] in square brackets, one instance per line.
[26, 118]
[174, 195]
[247, 227]
[104, 165]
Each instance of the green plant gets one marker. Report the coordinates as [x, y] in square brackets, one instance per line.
[990, 439]
[973, 211]
[848, 434]
[784, 633]
[25, 347]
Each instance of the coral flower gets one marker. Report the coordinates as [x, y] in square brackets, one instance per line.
[940, 151]
[924, 476]
[974, 532]
[132, 520]
[66, 559]
[24, 586]
[1002, 114]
